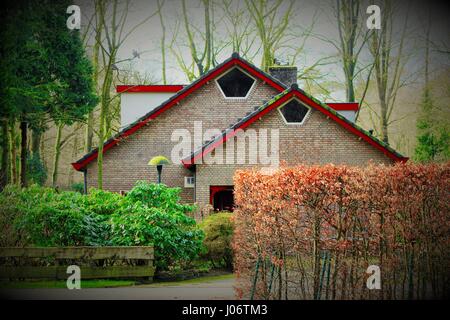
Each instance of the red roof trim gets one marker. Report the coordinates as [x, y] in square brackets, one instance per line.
[344, 106]
[149, 88]
[79, 165]
[189, 162]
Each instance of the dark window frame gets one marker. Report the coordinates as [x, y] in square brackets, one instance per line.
[236, 97]
[308, 111]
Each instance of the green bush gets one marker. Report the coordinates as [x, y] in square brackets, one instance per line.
[218, 229]
[77, 187]
[36, 171]
[149, 214]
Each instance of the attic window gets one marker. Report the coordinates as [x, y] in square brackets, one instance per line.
[235, 84]
[294, 112]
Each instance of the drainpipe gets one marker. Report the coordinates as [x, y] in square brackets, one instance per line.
[85, 181]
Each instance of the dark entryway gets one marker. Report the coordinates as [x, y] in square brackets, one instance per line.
[222, 198]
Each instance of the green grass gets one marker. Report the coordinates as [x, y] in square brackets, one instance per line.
[193, 281]
[62, 284]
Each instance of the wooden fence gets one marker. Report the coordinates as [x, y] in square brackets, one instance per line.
[17, 263]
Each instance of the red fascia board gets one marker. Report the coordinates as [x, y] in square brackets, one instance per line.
[149, 88]
[344, 106]
[79, 165]
[309, 102]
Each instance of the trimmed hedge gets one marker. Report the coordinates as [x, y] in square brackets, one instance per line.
[218, 229]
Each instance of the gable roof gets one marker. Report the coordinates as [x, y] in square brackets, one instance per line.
[235, 60]
[279, 100]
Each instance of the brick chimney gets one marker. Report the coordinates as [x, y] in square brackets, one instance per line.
[285, 74]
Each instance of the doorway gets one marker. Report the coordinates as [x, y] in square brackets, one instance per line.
[222, 198]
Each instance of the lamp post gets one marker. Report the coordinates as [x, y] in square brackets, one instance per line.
[159, 161]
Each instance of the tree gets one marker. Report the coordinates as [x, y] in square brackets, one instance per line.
[113, 31]
[271, 20]
[202, 53]
[46, 73]
[433, 139]
[388, 65]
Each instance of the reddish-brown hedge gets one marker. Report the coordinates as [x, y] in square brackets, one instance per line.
[316, 229]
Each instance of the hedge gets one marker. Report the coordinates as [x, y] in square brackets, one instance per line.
[310, 232]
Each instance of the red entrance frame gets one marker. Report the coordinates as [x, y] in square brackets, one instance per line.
[214, 189]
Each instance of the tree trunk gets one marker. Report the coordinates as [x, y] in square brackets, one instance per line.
[89, 132]
[57, 154]
[13, 154]
[36, 143]
[23, 153]
[5, 151]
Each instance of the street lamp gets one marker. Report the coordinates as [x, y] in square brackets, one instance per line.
[159, 161]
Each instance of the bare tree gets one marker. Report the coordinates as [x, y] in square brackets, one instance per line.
[115, 36]
[271, 19]
[389, 63]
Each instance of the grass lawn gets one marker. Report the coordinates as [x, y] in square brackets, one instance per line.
[62, 284]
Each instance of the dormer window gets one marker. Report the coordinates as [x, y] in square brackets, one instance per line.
[235, 84]
[294, 112]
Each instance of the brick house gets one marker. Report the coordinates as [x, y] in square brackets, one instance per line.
[234, 98]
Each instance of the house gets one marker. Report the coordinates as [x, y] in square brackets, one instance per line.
[201, 124]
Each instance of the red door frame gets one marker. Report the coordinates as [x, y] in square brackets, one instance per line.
[214, 189]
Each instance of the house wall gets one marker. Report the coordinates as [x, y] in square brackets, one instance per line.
[317, 141]
[134, 105]
[126, 162]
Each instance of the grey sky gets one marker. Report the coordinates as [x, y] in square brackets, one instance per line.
[146, 38]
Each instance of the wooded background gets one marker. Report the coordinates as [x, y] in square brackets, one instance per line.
[399, 73]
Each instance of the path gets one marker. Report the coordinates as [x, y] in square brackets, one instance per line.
[208, 290]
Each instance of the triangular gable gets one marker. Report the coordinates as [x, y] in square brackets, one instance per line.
[235, 60]
[279, 100]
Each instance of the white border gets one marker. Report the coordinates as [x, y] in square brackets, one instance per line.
[236, 98]
[294, 123]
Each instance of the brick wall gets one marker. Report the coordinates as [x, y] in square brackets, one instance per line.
[126, 163]
[318, 141]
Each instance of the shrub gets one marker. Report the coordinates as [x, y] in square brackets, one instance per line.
[77, 187]
[36, 171]
[312, 231]
[218, 229]
[150, 214]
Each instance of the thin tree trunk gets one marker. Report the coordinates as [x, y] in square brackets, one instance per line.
[5, 153]
[13, 154]
[57, 153]
[163, 41]
[74, 154]
[23, 153]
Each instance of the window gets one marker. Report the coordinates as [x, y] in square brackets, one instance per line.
[235, 84]
[294, 112]
[189, 182]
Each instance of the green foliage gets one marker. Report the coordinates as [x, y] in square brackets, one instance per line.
[218, 229]
[36, 171]
[433, 138]
[156, 217]
[149, 214]
[158, 195]
[77, 187]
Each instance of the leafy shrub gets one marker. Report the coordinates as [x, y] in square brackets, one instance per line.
[149, 214]
[153, 215]
[102, 202]
[36, 171]
[218, 229]
[77, 187]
